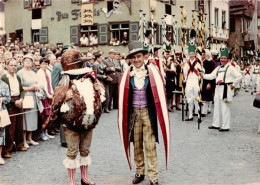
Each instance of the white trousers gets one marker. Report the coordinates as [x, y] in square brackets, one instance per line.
[254, 79]
[192, 93]
[221, 116]
[206, 107]
[247, 81]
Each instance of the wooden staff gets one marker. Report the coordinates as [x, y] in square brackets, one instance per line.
[152, 21]
[140, 25]
[212, 29]
[182, 56]
[235, 49]
[165, 38]
[173, 32]
[144, 27]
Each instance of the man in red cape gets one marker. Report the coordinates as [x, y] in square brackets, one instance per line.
[141, 100]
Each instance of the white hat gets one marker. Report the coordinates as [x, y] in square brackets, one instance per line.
[112, 51]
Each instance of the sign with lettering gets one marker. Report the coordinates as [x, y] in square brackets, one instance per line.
[87, 14]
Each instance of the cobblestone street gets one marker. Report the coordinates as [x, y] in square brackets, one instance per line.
[197, 156]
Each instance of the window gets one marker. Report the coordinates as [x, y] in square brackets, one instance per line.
[216, 16]
[91, 33]
[37, 13]
[149, 30]
[223, 19]
[40, 3]
[169, 34]
[168, 9]
[109, 6]
[232, 25]
[199, 4]
[117, 32]
[35, 35]
[172, 2]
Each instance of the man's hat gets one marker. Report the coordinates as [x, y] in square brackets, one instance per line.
[66, 47]
[28, 56]
[168, 49]
[112, 51]
[192, 46]
[224, 52]
[134, 47]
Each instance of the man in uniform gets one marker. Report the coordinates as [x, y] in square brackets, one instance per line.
[255, 70]
[227, 77]
[191, 76]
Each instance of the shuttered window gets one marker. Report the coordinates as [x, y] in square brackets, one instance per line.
[74, 34]
[26, 3]
[103, 33]
[43, 38]
[133, 31]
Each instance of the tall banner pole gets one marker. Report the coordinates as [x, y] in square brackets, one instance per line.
[140, 25]
[182, 56]
[152, 21]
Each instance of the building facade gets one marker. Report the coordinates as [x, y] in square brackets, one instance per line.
[61, 22]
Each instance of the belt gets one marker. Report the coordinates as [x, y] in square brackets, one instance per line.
[225, 88]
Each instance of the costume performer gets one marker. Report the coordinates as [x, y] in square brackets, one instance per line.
[141, 100]
[76, 105]
[208, 87]
[227, 77]
[191, 75]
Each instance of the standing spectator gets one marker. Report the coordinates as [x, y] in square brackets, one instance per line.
[14, 132]
[44, 77]
[30, 81]
[112, 69]
[104, 79]
[52, 60]
[4, 99]
[84, 40]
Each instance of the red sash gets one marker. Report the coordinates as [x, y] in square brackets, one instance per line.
[247, 72]
[192, 68]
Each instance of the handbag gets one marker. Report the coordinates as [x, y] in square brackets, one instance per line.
[28, 102]
[4, 118]
[256, 102]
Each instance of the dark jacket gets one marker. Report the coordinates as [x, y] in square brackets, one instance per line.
[99, 67]
[115, 75]
[22, 93]
[150, 105]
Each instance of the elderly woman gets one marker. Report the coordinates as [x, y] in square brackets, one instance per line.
[30, 85]
[4, 99]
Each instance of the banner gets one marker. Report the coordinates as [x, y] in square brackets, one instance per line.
[87, 14]
[153, 5]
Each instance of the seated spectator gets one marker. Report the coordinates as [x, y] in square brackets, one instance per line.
[112, 41]
[8, 57]
[125, 39]
[94, 40]
[116, 42]
[91, 37]
[5, 99]
[84, 40]
[2, 63]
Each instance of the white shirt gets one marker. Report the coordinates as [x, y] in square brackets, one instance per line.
[14, 84]
[84, 41]
[232, 74]
[139, 76]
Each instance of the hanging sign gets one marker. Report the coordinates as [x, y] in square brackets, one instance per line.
[87, 14]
